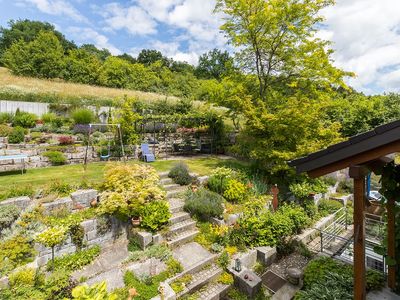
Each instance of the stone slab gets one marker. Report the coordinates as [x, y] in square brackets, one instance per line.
[58, 204]
[144, 238]
[190, 254]
[266, 255]
[22, 202]
[84, 197]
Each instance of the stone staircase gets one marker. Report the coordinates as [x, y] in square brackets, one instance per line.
[182, 231]
[182, 227]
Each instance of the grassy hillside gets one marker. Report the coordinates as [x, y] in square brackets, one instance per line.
[40, 90]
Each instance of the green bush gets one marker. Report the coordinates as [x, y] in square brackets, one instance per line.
[8, 214]
[204, 204]
[25, 120]
[48, 118]
[155, 215]
[15, 252]
[298, 216]
[17, 136]
[59, 285]
[6, 118]
[24, 277]
[326, 207]
[83, 116]
[56, 157]
[5, 130]
[180, 174]
[75, 261]
[235, 191]
[374, 280]
[219, 178]
[16, 191]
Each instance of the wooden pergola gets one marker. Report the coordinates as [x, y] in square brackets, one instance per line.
[362, 154]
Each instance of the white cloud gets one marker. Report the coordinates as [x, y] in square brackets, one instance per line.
[57, 8]
[366, 39]
[133, 19]
[87, 35]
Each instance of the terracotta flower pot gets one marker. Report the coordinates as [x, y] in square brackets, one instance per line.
[136, 221]
[93, 203]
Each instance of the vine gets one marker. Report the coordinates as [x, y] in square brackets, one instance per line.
[390, 181]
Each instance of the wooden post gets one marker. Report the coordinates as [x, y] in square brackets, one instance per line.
[275, 192]
[358, 173]
[390, 206]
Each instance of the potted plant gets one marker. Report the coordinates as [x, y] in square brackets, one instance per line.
[136, 220]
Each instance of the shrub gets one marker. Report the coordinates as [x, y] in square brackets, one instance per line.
[204, 203]
[56, 158]
[8, 214]
[15, 252]
[59, 187]
[16, 191]
[17, 136]
[5, 130]
[97, 291]
[25, 120]
[24, 277]
[77, 235]
[83, 116]
[374, 280]
[326, 207]
[66, 140]
[180, 174]
[155, 215]
[52, 237]
[75, 261]
[297, 215]
[235, 191]
[128, 189]
[49, 117]
[225, 278]
[59, 285]
[6, 118]
[218, 179]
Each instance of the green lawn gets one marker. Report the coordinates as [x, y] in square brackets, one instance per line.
[75, 175]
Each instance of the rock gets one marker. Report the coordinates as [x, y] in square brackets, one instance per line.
[4, 282]
[89, 225]
[266, 255]
[144, 239]
[294, 275]
[232, 219]
[84, 197]
[58, 204]
[217, 221]
[248, 282]
[248, 259]
[157, 239]
[22, 202]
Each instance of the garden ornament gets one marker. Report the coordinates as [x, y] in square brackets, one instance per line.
[132, 293]
[238, 265]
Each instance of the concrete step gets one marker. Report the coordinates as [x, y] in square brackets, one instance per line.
[166, 181]
[176, 205]
[213, 291]
[201, 278]
[171, 187]
[182, 238]
[179, 217]
[180, 227]
[163, 175]
[176, 191]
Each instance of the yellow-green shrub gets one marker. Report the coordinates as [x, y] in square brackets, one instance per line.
[235, 191]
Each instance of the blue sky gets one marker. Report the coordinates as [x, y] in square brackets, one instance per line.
[365, 34]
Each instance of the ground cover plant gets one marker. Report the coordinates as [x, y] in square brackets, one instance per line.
[331, 279]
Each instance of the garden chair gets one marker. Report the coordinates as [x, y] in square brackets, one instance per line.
[147, 155]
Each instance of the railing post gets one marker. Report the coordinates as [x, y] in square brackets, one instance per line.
[345, 217]
[322, 239]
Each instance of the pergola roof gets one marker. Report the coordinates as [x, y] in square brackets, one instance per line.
[359, 149]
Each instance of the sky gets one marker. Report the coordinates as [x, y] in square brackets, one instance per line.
[365, 34]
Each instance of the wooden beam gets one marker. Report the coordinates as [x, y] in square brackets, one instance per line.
[358, 174]
[390, 206]
[361, 158]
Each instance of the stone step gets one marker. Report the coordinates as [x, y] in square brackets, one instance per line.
[175, 192]
[201, 278]
[175, 205]
[213, 291]
[163, 175]
[180, 227]
[179, 217]
[166, 181]
[182, 238]
[171, 187]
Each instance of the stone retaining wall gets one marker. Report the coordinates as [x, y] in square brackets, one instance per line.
[73, 155]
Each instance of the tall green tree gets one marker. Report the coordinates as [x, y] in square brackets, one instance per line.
[214, 64]
[290, 80]
[277, 42]
[150, 56]
[43, 57]
[27, 31]
[102, 54]
[82, 66]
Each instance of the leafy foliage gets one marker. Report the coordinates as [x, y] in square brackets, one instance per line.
[17, 135]
[128, 189]
[235, 191]
[180, 174]
[97, 291]
[326, 207]
[155, 215]
[204, 203]
[55, 157]
[83, 116]
[5, 130]
[14, 252]
[24, 119]
[76, 261]
[8, 214]
[53, 236]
